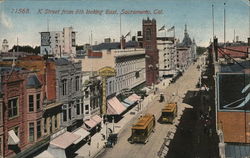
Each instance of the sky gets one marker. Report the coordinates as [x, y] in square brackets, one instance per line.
[197, 14]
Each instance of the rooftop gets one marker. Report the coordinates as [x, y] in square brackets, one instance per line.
[229, 68]
[33, 82]
[115, 45]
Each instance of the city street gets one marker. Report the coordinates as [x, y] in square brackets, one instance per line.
[174, 92]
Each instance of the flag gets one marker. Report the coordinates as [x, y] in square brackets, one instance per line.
[128, 34]
[171, 29]
[162, 28]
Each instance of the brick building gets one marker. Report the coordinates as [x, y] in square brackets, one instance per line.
[50, 115]
[22, 110]
[151, 51]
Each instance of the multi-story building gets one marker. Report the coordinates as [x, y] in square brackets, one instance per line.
[186, 52]
[129, 64]
[51, 110]
[231, 71]
[1, 119]
[151, 51]
[167, 56]
[69, 92]
[59, 43]
[22, 112]
[5, 46]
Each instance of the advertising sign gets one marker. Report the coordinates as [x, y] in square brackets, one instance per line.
[234, 91]
[45, 38]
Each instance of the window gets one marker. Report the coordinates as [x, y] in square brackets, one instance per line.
[38, 96]
[110, 87]
[31, 132]
[87, 109]
[86, 94]
[69, 113]
[137, 74]
[13, 107]
[55, 121]
[1, 144]
[77, 107]
[16, 130]
[81, 107]
[31, 103]
[64, 87]
[45, 126]
[77, 83]
[148, 34]
[38, 128]
[64, 115]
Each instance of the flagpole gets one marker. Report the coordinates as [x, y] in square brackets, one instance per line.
[120, 25]
[174, 33]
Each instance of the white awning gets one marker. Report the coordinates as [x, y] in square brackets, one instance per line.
[82, 133]
[97, 119]
[13, 138]
[65, 140]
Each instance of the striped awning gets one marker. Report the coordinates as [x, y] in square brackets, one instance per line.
[115, 107]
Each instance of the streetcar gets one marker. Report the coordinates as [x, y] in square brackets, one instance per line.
[169, 112]
[142, 129]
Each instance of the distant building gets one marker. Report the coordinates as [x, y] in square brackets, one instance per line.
[186, 52]
[5, 46]
[59, 43]
[167, 56]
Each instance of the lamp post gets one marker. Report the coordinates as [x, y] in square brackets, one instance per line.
[113, 122]
[106, 124]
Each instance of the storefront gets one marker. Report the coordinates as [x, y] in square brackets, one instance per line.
[60, 145]
[93, 124]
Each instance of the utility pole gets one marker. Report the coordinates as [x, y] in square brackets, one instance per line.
[224, 24]
[213, 19]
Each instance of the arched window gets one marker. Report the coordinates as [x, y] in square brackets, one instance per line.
[148, 34]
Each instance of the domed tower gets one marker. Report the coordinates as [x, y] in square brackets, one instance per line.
[5, 46]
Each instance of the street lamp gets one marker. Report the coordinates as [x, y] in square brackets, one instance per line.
[113, 122]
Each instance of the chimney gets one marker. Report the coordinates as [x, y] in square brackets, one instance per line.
[123, 42]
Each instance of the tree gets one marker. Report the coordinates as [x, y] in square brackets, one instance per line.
[201, 50]
[27, 49]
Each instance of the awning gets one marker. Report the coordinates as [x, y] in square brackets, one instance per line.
[130, 102]
[52, 105]
[65, 140]
[13, 138]
[90, 124]
[45, 154]
[126, 104]
[97, 119]
[82, 133]
[115, 107]
[134, 97]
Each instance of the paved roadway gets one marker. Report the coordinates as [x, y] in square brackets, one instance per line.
[123, 149]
